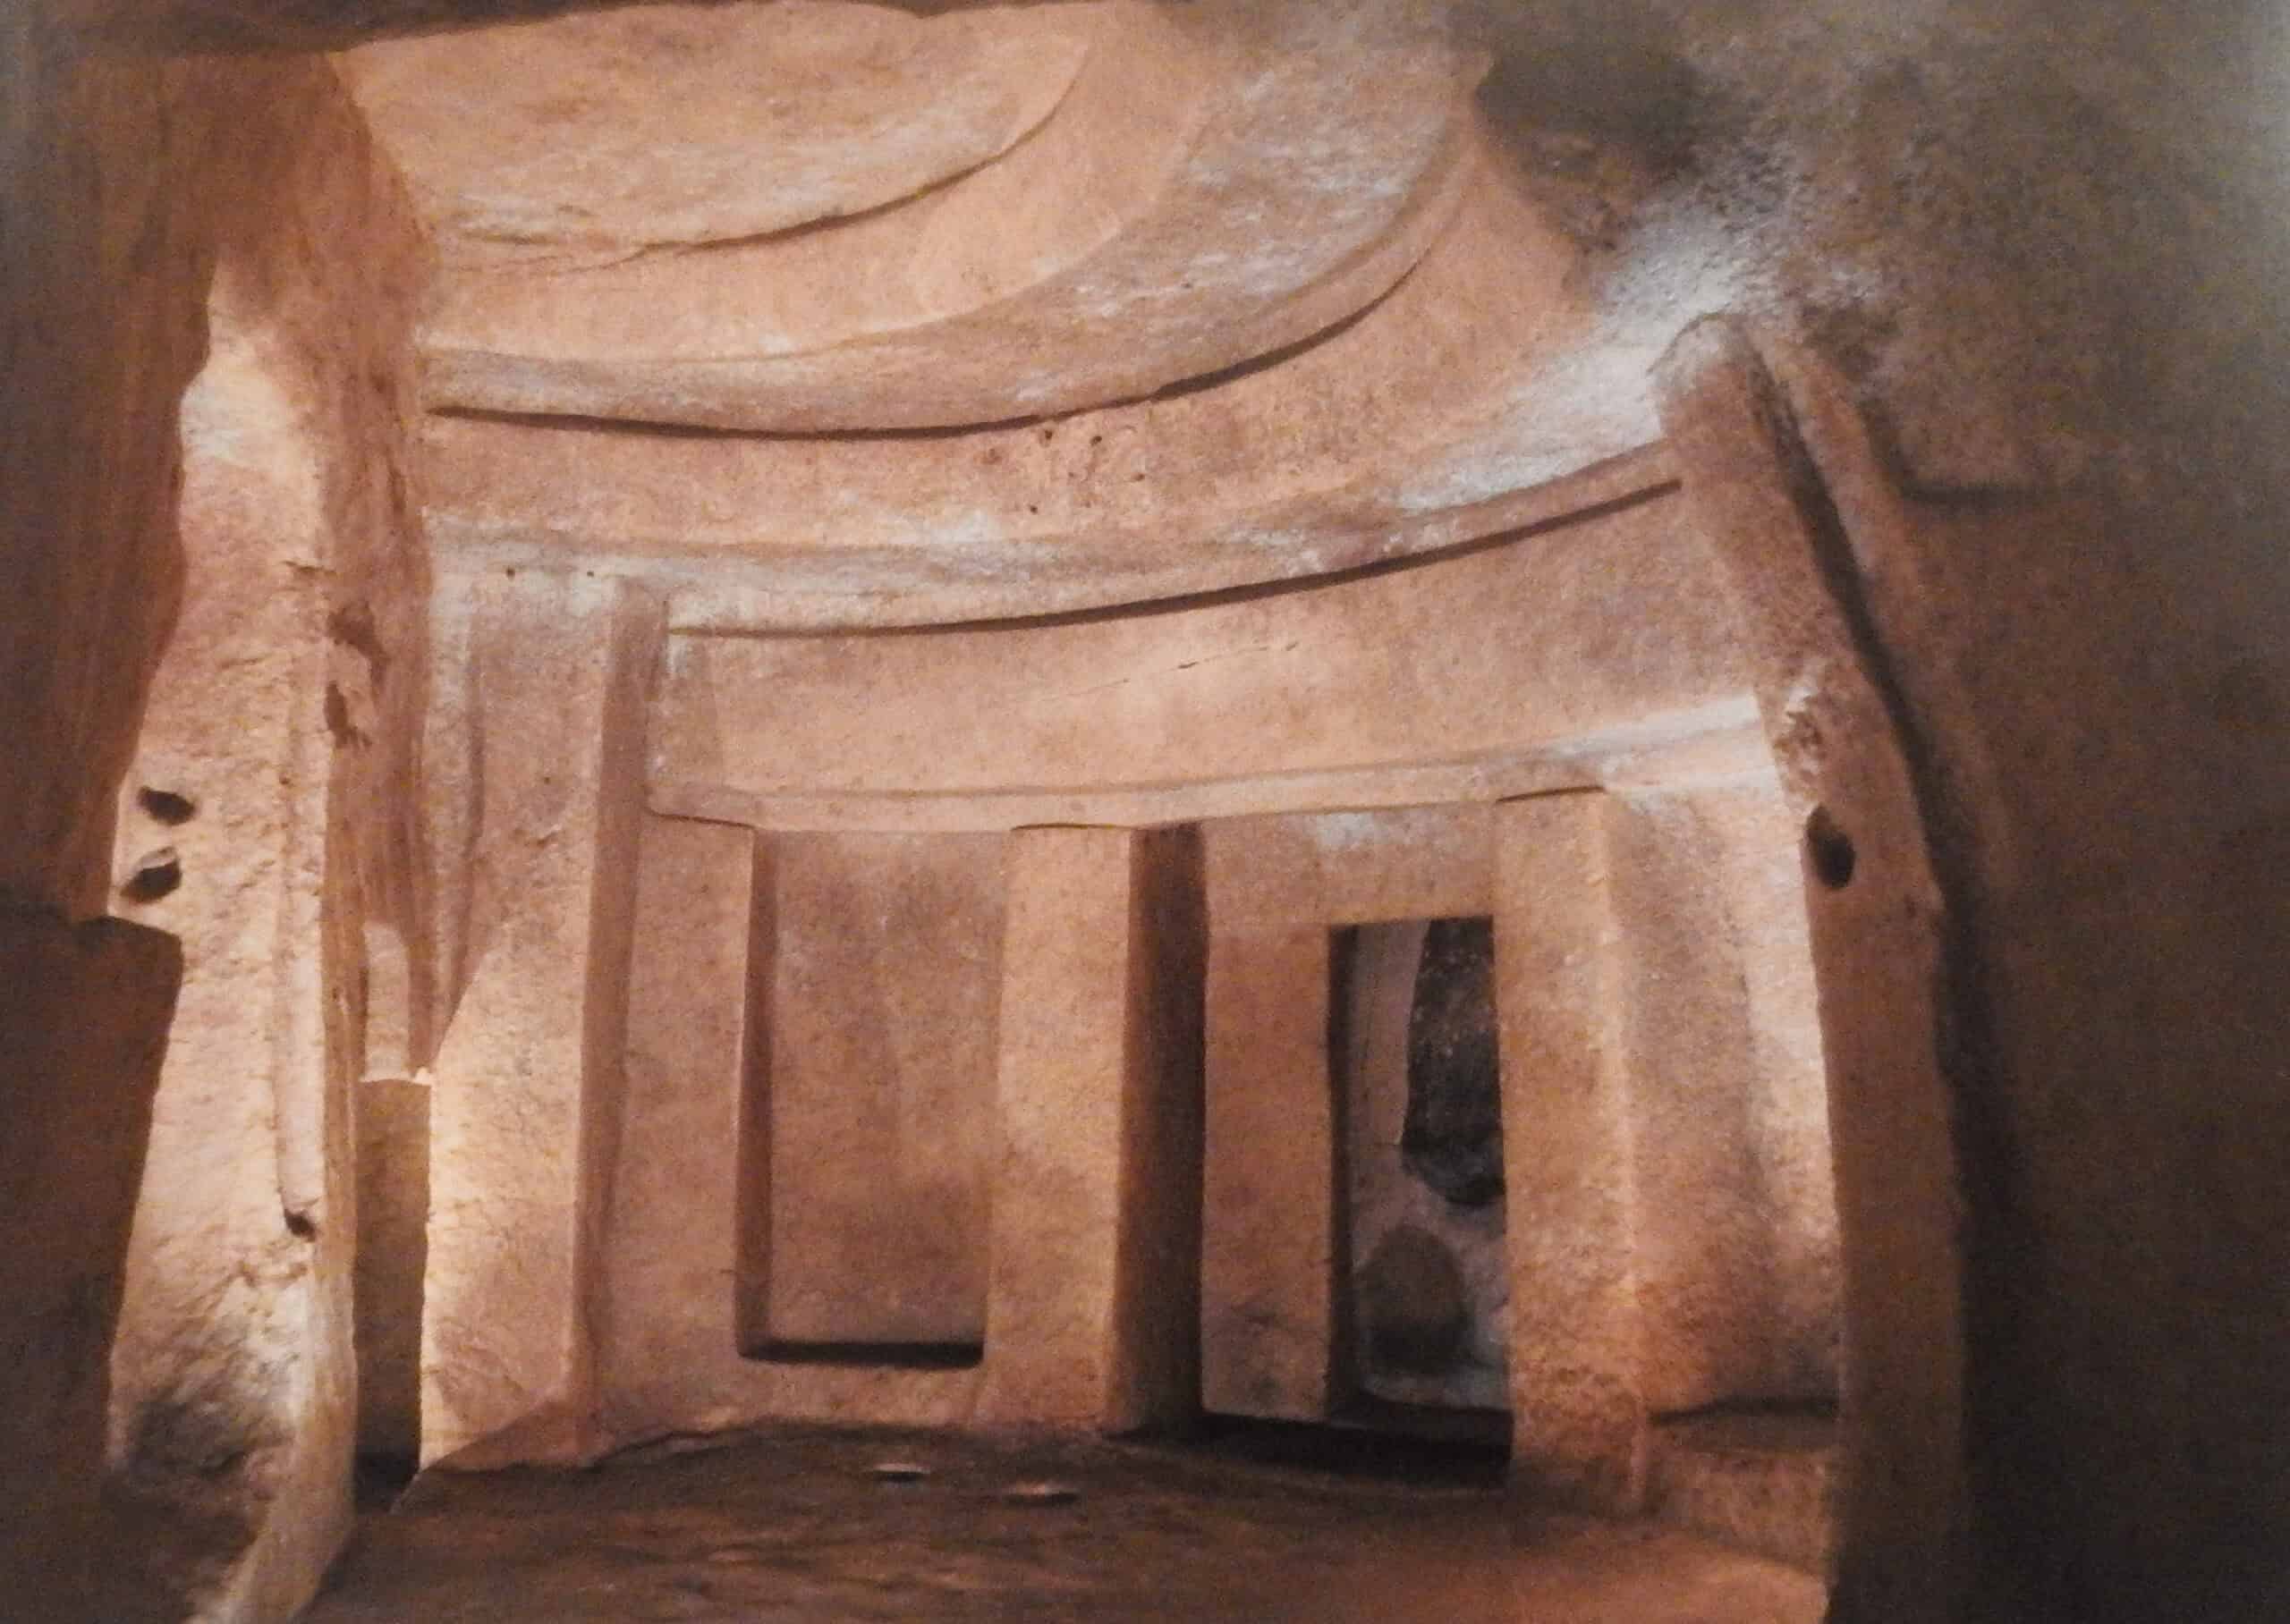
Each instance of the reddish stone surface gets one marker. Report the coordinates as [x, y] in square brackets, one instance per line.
[83, 1022]
[1962, 527]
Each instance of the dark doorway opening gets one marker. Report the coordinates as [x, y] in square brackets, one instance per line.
[1424, 1282]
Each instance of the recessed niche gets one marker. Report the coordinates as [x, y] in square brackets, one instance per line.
[154, 875]
[166, 805]
[1830, 849]
[868, 1126]
[1413, 1057]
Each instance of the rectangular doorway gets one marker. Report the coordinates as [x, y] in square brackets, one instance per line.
[1424, 1300]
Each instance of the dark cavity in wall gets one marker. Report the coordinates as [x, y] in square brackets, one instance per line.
[165, 806]
[1413, 1058]
[155, 875]
[1452, 1139]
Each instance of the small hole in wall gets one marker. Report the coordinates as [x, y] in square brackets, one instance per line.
[165, 806]
[1830, 849]
[155, 875]
[300, 1225]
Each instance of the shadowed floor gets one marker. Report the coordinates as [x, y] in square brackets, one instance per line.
[801, 1526]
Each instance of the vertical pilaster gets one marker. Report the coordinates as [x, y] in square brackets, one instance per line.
[527, 1075]
[1578, 1405]
[1093, 1296]
[1904, 1025]
[1270, 1216]
[1703, 1247]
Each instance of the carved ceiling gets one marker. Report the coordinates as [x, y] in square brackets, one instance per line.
[552, 144]
[1004, 311]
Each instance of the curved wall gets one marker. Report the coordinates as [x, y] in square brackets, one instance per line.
[1600, 636]
[1342, 749]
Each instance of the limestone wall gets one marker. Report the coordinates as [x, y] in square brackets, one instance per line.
[806, 1192]
[83, 1022]
[281, 813]
[105, 287]
[1598, 640]
[2024, 658]
[269, 816]
[878, 1116]
[683, 1277]
[757, 1003]
[1683, 910]
[97, 342]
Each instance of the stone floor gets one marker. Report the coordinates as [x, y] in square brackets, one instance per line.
[1757, 1480]
[817, 1526]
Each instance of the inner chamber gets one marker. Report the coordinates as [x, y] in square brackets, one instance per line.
[1235, 892]
[1258, 1018]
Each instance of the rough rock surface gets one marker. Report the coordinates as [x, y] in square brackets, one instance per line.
[83, 1020]
[1016, 217]
[1761, 1480]
[1578, 1408]
[1437, 416]
[1271, 1215]
[392, 1129]
[528, 1072]
[1413, 1301]
[789, 1525]
[1452, 1139]
[1284, 1226]
[1730, 1244]
[105, 287]
[1611, 622]
[1093, 1285]
[276, 771]
[2030, 475]
[288, 25]
[548, 142]
[682, 1268]
[233, 1358]
[1381, 982]
[885, 975]
[1301, 199]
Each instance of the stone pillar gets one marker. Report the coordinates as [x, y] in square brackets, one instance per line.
[84, 1013]
[1093, 1293]
[1752, 842]
[683, 1286]
[1905, 1024]
[271, 809]
[1270, 1218]
[1703, 1245]
[675, 1260]
[527, 1080]
[1578, 1406]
